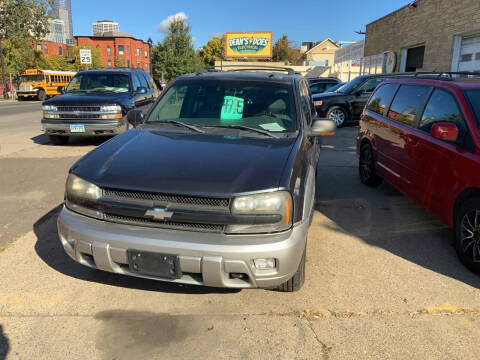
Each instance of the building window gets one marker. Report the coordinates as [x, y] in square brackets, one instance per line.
[120, 50]
[109, 51]
[45, 48]
[128, 63]
[109, 63]
[138, 64]
[146, 67]
[146, 54]
[39, 47]
[128, 49]
[138, 52]
[60, 50]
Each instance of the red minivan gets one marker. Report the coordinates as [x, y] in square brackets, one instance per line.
[422, 135]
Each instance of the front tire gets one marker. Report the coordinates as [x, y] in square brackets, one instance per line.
[338, 115]
[296, 282]
[58, 140]
[41, 95]
[366, 167]
[467, 234]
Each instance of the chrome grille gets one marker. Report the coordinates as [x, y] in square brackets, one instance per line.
[196, 201]
[79, 116]
[78, 108]
[172, 225]
[25, 88]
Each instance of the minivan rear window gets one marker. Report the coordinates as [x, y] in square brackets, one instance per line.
[407, 102]
[474, 99]
[381, 98]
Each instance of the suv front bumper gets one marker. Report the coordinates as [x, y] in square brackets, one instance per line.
[98, 128]
[205, 258]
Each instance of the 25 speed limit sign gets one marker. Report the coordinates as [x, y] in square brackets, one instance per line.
[85, 56]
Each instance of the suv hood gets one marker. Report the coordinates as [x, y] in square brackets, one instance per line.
[326, 95]
[79, 99]
[180, 163]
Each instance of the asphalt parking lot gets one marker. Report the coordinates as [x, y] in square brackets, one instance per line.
[383, 281]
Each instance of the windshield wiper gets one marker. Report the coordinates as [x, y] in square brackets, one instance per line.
[178, 123]
[247, 128]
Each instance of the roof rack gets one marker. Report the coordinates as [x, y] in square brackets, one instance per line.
[289, 71]
[448, 75]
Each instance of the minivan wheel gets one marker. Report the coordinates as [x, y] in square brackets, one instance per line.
[338, 115]
[296, 282]
[467, 234]
[366, 167]
[58, 140]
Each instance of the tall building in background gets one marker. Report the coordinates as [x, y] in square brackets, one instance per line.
[62, 9]
[104, 26]
[56, 31]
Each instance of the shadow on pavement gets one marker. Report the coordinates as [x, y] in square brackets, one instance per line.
[4, 344]
[383, 217]
[43, 139]
[50, 250]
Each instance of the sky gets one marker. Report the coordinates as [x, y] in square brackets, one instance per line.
[301, 20]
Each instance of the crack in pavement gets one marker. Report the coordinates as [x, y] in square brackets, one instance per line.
[325, 348]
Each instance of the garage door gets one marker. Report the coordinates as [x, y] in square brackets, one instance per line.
[470, 54]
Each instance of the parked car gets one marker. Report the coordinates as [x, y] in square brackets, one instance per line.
[422, 136]
[96, 102]
[346, 104]
[320, 85]
[214, 186]
[335, 88]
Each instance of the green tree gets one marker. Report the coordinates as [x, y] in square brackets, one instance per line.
[175, 55]
[285, 50]
[118, 62]
[97, 62]
[213, 50]
[22, 22]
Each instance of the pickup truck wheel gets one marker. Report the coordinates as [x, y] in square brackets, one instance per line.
[41, 95]
[366, 167]
[338, 115]
[296, 282]
[58, 140]
[467, 234]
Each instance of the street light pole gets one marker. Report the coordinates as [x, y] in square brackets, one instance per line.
[150, 42]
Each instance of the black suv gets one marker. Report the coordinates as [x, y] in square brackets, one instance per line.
[347, 103]
[95, 103]
[320, 85]
[214, 186]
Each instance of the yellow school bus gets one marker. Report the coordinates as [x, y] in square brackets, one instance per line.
[42, 84]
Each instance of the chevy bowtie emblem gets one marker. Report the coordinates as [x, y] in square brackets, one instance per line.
[159, 214]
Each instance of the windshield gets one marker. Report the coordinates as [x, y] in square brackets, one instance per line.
[474, 99]
[228, 103]
[117, 83]
[350, 86]
[32, 78]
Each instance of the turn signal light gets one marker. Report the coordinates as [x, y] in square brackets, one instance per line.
[318, 103]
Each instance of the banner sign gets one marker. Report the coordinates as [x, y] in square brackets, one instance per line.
[256, 44]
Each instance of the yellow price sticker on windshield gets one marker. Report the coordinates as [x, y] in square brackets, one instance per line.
[232, 108]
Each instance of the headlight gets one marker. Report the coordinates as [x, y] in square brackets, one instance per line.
[111, 108]
[47, 115]
[49, 108]
[275, 203]
[81, 196]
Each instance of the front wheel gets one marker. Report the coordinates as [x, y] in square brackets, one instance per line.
[58, 140]
[467, 234]
[41, 95]
[296, 282]
[366, 167]
[338, 115]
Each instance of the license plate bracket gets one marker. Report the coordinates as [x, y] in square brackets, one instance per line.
[155, 264]
[77, 128]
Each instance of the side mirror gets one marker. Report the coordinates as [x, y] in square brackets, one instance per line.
[323, 127]
[445, 131]
[135, 117]
[359, 92]
[141, 90]
[61, 89]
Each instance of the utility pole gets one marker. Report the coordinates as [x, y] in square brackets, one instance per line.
[5, 95]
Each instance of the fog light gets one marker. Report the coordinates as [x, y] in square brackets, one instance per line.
[264, 264]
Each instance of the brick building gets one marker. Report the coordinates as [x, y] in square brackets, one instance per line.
[429, 35]
[50, 48]
[127, 50]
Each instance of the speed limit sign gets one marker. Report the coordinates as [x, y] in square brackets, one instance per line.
[85, 56]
